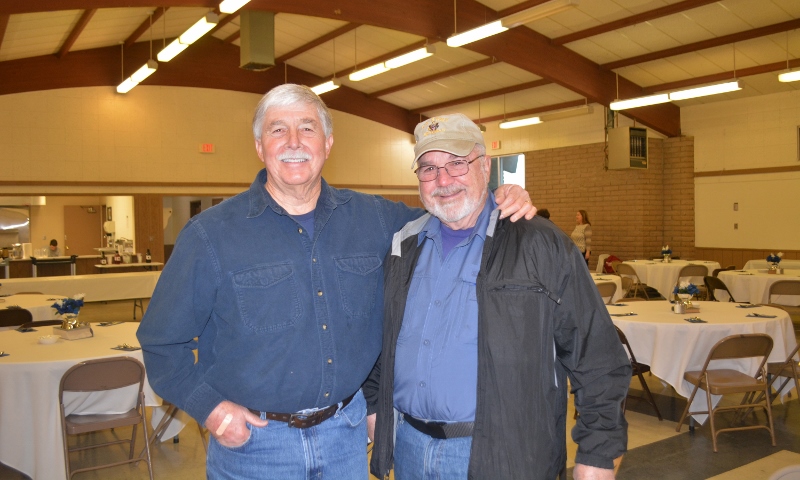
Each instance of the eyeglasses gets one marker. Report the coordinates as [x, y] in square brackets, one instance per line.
[456, 168]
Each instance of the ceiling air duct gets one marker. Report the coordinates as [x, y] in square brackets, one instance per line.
[257, 48]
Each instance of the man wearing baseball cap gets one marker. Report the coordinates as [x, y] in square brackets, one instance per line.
[484, 321]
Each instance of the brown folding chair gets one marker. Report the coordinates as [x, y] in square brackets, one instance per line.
[638, 370]
[102, 375]
[727, 381]
[716, 271]
[787, 369]
[713, 284]
[785, 287]
[627, 272]
[607, 290]
[694, 270]
[14, 317]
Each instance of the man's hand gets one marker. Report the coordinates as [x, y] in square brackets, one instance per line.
[228, 424]
[585, 472]
[371, 426]
[515, 201]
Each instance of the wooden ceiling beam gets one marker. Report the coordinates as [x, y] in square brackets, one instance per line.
[233, 37]
[144, 26]
[481, 96]
[519, 7]
[319, 41]
[704, 44]
[632, 20]
[432, 78]
[224, 21]
[3, 26]
[534, 111]
[86, 16]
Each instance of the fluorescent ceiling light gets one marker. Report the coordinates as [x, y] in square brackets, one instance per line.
[376, 69]
[171, 51]
[515, 19]
[411, 57]
[538, 12]
[792, 76]
[327, 86]
[639, 102]
[230, 6]
[707, 90]
[476, 34]
[145, 71]
[523, 122]
[200, 28]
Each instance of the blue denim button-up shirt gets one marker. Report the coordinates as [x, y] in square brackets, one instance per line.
[284, 321]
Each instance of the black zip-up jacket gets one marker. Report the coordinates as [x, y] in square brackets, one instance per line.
[540, 319]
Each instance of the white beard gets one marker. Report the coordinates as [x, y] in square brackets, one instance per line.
[453, 212]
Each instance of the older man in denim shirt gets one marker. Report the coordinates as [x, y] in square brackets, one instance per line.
[282, 286]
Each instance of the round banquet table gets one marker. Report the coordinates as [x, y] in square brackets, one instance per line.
[672, 346]
[663, 276]
[40, 306]
[607, 277]
[763, 264]
[30, 437]
[752, 286]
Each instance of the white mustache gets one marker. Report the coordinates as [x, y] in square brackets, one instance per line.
[448, 190]
[294, 157]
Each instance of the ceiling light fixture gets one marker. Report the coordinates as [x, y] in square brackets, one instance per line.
[788, 75]
[230, 6]
[395, 62]
[639, 102]
[138, 76]
[332, 84]
[706, 90]
[191, 35]
[515, 19]
[547, 117]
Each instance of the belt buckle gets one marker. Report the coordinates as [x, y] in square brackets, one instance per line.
[304, 420]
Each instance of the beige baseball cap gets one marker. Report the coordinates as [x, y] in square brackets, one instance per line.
[454, 134]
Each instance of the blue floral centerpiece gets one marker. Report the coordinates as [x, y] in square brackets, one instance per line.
[774, 260]
[69, 308]
[685, 291]
[666, 253]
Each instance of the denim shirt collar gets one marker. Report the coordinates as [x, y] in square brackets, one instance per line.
[260, 199]
[433, 226]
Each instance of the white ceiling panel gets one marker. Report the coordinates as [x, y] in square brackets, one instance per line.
[34, 34]
[294, 31]
[110, 26]
[717, 19]
[763, 13]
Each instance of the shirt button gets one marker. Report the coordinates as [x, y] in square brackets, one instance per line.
[426, 342]
[319, 293]
[313, 260]
[437, 303]
[327, 394]
[324, 326]
[330, 361]
[299, 230]
[422, 384]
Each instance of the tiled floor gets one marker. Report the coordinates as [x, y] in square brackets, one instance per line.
[656, 451]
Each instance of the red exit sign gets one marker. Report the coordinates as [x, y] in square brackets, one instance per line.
[206, 148]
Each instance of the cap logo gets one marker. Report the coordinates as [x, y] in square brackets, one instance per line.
[433, 127]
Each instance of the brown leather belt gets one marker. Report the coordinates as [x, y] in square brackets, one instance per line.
[440, 430]
[304, 420]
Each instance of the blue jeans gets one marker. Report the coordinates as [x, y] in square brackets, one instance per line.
[335, 449]
[420, 457]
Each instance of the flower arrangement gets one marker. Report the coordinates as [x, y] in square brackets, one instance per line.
[69, 306]
[772, 258]
[665, 250]
[686, 289]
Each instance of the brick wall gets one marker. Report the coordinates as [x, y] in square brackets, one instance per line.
[633, 212]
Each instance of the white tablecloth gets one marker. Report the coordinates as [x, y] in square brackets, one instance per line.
[753, 286]
[663, 276]
[38, 305]
[672, 346]
[30, 429]
[98, 287]
[599, 278]
[763, 264]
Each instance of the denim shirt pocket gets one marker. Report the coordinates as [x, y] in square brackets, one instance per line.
[358, 278]
[467, 327]
[267, 297]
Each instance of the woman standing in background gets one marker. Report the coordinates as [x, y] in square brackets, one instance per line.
[582, 235]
